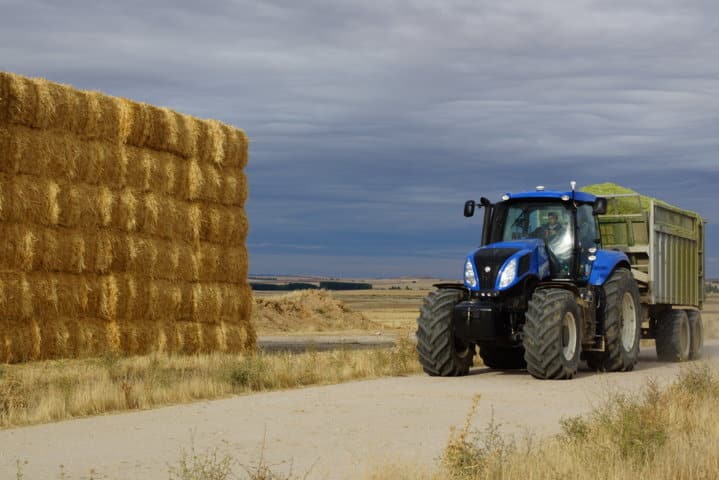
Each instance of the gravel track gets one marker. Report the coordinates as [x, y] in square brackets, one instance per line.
[336, 431]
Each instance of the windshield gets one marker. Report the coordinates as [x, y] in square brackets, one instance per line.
[548, 221]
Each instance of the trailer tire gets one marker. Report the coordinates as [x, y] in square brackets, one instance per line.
[673, 336]
[552, 334]
[440, 352]
[622, 325]
[696, 331]
[502, 358]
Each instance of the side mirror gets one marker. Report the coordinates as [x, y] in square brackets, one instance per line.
[469, 208]
[600, 206]
[484, 201]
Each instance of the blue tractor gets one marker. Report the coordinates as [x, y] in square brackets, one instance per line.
[540, 293]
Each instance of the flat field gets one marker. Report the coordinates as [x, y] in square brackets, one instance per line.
[392, 306]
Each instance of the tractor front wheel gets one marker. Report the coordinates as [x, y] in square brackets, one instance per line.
[440, 352]
[552, 334]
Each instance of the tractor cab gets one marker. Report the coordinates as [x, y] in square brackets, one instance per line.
[558, 230]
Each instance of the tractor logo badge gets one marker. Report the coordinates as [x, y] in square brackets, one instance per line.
[487, 269]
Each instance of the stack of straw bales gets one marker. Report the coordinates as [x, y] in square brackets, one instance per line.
[123, 227]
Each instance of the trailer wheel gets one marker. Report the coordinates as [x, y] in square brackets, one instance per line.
[696, 331]
[440, 352]
[552, 334]
[622, 325]
[673, 336]
[502, 358]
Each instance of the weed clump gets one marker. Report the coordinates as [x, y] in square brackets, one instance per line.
[472, 453]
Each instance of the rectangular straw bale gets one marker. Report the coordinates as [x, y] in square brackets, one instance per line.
[88, 336]
[28, 199]
[19, 99]
[41, 104]
[152, 171]
[236, 146]
[233, 266]
[213, 302]
[28, 247]
[211, 142]
[141, 338]
[162, 129]
[190, 337]
[86, 207]
[164, 300]
[153, 258]
[62, 156]
[19, 247]
[54, 336]
[17, 339]
[209, 183]
[222, 144]
[240, 337]
[156, 300]
[16, 299]
[234, 190]
[176, 219]
[243, 295]
[222, 263]
[207, 302]
[224, 225]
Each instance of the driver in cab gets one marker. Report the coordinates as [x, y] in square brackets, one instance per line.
[551, 230]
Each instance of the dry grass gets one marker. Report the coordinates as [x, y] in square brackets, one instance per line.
[668, 433]
[41, 392]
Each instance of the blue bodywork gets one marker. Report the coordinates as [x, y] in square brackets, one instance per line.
[605, 264]
[602, 266]
[538, 266]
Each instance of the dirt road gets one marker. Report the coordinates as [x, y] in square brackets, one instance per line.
[336, 431]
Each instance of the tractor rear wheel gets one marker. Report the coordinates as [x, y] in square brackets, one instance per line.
[502, 358]
[552, 334]
[440, 352]
[696, 331]
[673, 336]
[622, 325]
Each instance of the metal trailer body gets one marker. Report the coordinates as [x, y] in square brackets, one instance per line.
[665, 246]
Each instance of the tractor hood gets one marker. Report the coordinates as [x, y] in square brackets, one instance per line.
[500, 266]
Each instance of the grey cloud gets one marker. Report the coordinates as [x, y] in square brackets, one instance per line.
[384, 116]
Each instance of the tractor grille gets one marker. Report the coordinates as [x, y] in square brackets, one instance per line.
[493, 258]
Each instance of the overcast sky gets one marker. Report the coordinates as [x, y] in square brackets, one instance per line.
[372, 122]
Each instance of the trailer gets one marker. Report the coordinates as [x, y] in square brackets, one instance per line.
[665, 246]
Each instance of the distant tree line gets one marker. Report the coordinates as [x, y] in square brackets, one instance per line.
[326, 285]
[711, 287]
[345, 285]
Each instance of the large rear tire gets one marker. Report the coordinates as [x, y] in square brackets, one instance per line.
[440, 352]
[696, 331]
[552, 334]
[673, 336]
[622, 325]
[502, 358]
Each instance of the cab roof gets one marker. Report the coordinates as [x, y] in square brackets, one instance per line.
[544, 194]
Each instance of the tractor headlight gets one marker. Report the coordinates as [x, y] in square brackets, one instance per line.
[508, 274]
[470, 278]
